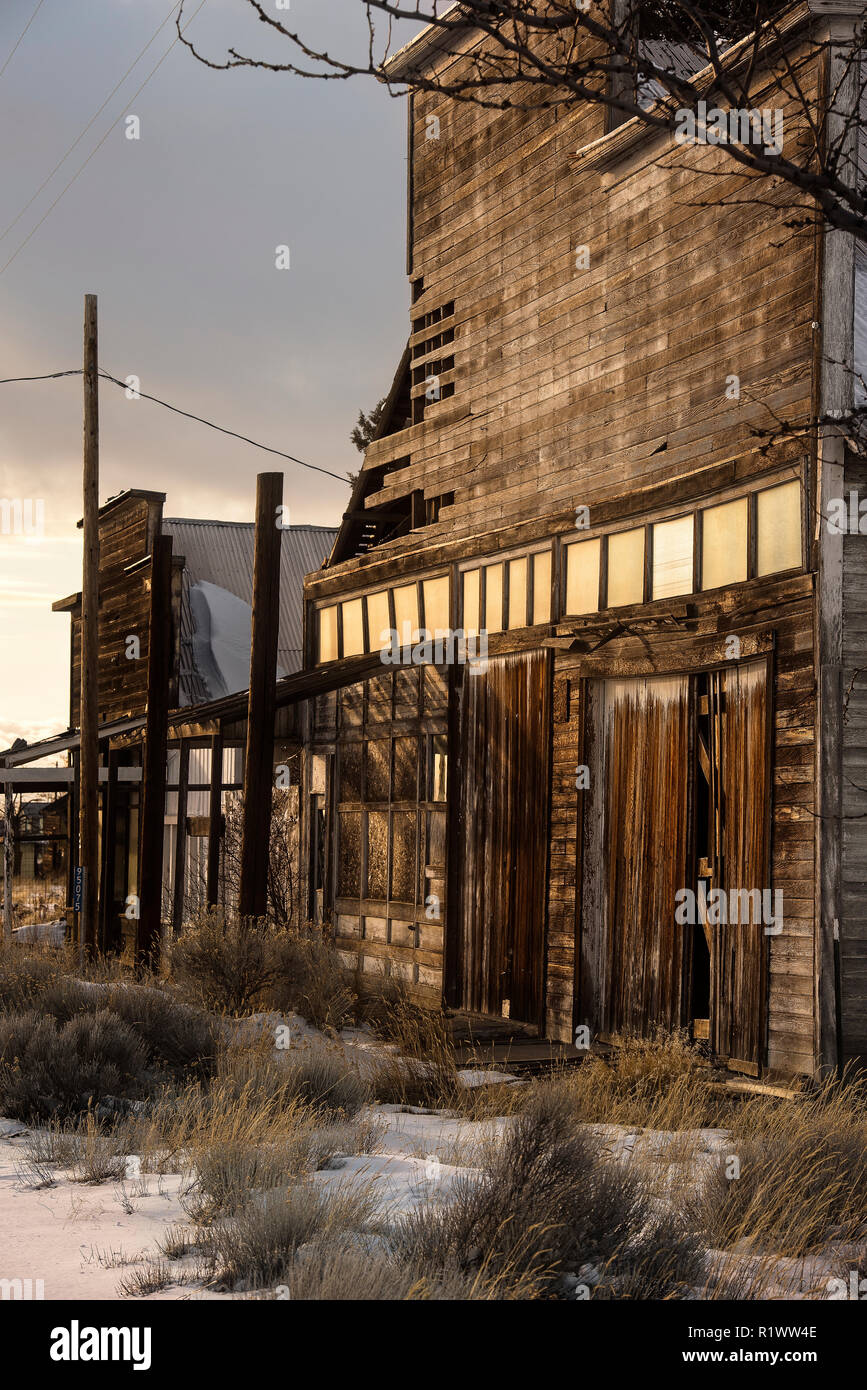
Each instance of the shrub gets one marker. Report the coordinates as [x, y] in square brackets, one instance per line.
[48, 1071]
[319, 1077]
[25, 973]
[545, 1205]
[225, 963]
[255, 1248]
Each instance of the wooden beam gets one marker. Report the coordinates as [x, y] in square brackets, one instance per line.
[8, 866]
[259, 760]
[215, 813]
[154, 763]
[109, 849]
[88, 848]
[181, 838]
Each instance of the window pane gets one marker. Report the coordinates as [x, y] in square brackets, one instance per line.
[377, 753]
[350, 771]
[542, 587]
[582, 576]
[349, 855]
[353, 627]
[328, 634]
[403, 825]
[724, 532]
[405, 786]
[779, 529]
[377, 854]
[470, 620]
[626, 568]
[672, 557]
[439, 767]
[494, 598]
[518, 593]
[406, 614]
[378, 621]
[436, 605]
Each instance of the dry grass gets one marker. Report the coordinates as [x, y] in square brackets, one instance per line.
[255, 1247]
[802, 1174]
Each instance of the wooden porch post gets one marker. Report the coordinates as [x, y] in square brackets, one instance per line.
[154, 761]
[259, 761]
[8, 863]
[181, 837]
[215, 815]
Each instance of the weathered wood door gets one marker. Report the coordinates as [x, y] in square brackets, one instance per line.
[634, 952]
[640, 851]
[502, 836]
[740, 712]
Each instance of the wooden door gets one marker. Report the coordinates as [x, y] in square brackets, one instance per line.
[501, 836]
[634, 954]
[740, 709]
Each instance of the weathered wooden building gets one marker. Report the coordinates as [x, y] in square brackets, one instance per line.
[600, 321]
[197, 601]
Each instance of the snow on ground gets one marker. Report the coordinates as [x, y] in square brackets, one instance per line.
[82, 1240]
[74, 1236]
[71, 1235]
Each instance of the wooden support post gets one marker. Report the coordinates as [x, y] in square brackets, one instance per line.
[8, 864]
[72, 922]
[259, 760]
[215, 819]
[109, 853]
[88, 834]
[154, 763]
[181, 837]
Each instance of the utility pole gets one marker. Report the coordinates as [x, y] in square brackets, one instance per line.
[153, 806]
[88, 807]
[8, 864]
[259, 759]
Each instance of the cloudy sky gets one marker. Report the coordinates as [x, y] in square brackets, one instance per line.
[176, 233]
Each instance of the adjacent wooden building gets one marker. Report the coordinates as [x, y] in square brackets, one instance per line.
[672, 701]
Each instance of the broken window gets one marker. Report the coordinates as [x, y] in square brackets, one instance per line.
[438, 780]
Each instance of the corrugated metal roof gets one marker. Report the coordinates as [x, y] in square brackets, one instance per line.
[221, 552]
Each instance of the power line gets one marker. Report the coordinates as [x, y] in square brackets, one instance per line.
[97, 147]
[21, 36]
[200, 419]
[91, 122]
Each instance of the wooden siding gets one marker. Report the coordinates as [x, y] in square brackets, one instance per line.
[501, 801]
[853, 927]
[126, 534]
